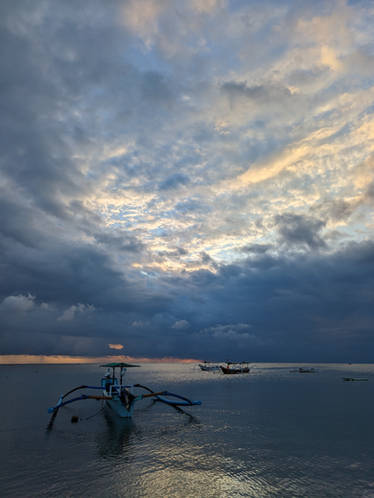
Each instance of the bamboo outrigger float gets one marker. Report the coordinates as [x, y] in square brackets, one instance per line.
[120, 397]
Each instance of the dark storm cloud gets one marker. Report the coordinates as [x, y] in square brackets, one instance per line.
[120, 240]
[301, 231]
[300, 309]
[12, 222]
[53, 292]
[40, 257]
[305, 307]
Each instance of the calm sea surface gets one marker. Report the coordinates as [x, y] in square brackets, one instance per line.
[266, 434]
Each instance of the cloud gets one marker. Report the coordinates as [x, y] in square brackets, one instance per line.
[297, 230]
[74, 310]
[330, 59]
[18, 304]
[255, 248]
[174, 181]
[336, 210]
[180, 324]
[272, 298]
[115, 346]
[141, 17]
[233, 332]
[237, 91]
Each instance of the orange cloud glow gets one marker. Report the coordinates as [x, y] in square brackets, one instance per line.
[115, 346]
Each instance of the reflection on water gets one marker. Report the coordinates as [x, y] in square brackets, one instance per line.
[270, 433]
[116, 439]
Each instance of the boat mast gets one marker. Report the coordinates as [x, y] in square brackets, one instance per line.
[122, 373]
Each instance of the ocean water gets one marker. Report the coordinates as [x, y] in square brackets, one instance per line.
[266, 434]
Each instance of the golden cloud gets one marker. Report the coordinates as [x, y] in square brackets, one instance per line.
[115, 346]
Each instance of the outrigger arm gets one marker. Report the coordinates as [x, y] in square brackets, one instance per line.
[61, 401]
[179, 401]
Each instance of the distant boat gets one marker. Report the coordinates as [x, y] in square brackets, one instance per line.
[354, 379]
[233, 368]
[303, 370]
[307, 370]
[207, 367]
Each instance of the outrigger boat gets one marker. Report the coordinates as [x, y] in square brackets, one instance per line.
[119, 397]
[232, 368]
[307, 370]
[207, 367]
[303, 370]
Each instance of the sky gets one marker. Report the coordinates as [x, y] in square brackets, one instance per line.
[187, 179]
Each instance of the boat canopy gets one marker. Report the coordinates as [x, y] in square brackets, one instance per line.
[120, 365]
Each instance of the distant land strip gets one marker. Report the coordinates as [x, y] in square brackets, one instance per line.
[21, 359]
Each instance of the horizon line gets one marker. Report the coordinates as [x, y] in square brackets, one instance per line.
[40, 359]
[24, 359]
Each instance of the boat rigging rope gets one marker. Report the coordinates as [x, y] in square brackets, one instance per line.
[94, 415]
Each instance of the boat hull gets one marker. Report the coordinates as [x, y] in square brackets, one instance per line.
[234, 371]
[118, 407]
[205, 368]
